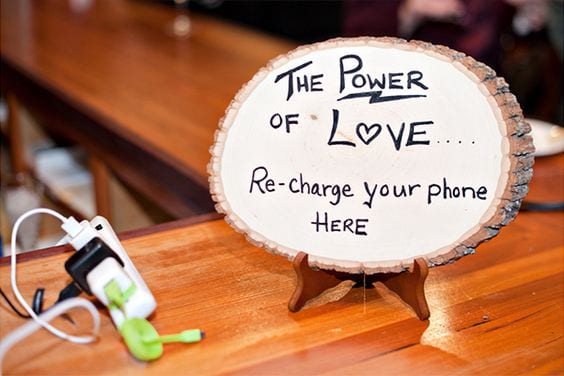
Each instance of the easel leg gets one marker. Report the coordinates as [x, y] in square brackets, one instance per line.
[409, 287]
[310, 282]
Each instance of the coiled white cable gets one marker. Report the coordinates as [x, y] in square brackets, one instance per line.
[42, 319]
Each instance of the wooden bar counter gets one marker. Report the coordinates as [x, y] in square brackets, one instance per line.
[140, 86]
[496, 312]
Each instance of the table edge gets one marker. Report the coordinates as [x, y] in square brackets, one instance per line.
[125, 235]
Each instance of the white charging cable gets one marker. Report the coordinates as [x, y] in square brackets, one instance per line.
[55, 311]
[76, 301]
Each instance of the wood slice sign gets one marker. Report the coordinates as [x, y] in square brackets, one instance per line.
[367, 153]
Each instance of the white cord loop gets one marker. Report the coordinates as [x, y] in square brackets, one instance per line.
[42, 320]
[31, 326]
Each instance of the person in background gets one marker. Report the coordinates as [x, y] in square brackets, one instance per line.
[507, 35]
[470, 26]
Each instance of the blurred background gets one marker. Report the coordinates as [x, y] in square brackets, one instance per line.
[520, 39]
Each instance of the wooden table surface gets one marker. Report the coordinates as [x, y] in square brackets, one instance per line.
[118, 79]
[499, 311]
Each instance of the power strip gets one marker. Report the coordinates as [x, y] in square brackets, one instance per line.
[140, 302]
[100, 267]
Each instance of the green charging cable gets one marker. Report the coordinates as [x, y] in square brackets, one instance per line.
[141, 338]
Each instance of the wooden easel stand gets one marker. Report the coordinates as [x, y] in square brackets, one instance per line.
[408, 285]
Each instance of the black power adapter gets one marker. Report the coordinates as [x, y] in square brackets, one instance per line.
[87, 258]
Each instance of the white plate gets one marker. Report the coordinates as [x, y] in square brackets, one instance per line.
[548, 138]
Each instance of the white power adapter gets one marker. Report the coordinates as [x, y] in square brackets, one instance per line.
[102, 267]
[95, 268]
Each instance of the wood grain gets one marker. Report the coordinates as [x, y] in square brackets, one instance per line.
[114, 78]
[496, 312]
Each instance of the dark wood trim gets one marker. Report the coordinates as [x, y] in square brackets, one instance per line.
[185, 222]
[175, 187]
[101, 183]
[17, 157]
